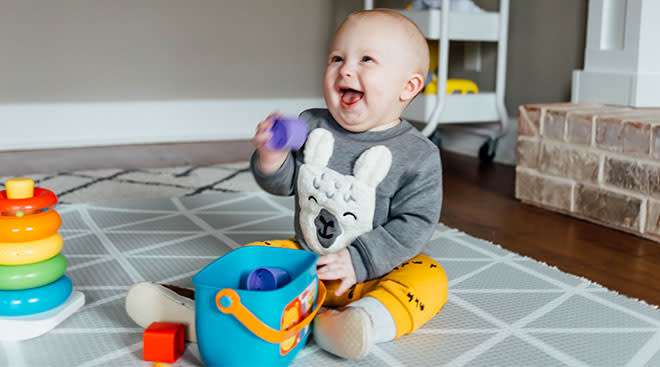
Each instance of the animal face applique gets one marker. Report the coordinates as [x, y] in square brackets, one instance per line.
[334, 208]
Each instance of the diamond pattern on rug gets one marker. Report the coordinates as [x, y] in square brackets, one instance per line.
[83, 244]
[503, 309]
[111, 184]
[514, 351]
[614, 348]
[511, 307]
[582, 313]
[503, 276]
[177, 223]
[137, 242]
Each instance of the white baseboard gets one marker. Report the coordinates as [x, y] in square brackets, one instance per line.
[68, 125]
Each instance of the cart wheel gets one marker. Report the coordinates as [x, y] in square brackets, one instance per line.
[436, 138]
[487, 150]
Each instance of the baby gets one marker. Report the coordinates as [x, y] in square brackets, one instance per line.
[369, 236]
[368, 190]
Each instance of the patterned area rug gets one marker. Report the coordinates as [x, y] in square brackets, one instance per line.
[113, 184]
[503, 309]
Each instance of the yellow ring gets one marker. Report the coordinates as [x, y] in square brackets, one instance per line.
[30, 252]
[29, 227]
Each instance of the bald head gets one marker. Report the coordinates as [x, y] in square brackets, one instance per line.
[412, 38]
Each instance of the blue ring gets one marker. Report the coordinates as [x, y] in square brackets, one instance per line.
[35, 300]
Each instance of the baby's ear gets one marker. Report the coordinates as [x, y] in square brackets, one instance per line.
[413, 86]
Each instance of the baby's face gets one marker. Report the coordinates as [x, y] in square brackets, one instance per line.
[367, 71]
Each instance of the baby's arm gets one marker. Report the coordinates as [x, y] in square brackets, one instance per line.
[274, 170]
[268, 161]
[414, 212]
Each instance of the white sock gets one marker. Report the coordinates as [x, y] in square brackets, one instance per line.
[384, 326]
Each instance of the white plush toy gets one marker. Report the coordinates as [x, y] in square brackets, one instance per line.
[334, 208]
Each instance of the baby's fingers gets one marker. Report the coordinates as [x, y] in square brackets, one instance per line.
[266, 124]
[345, 285]
[325, 272]
[262, 137]
[326, 259]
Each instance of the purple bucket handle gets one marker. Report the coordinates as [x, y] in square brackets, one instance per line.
[267, 279]
[288, 134]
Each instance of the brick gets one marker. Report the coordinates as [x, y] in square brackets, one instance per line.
[637, 138]
[579, 122]
[609, 134]
[528, 121]
[619, 113]
[583, 165]
[652, 112]
[653, 173]
[653, 218]
[629, 175]
[579, 128]
[608, 207]
[564, 106]
[565, 161]
[610, 128]
[655, 131]
[554, 159]
[530, 114]
[544, 190]
[528, 152]
[526, 186]
[553, 124]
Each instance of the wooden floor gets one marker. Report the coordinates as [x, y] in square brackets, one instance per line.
[479, 200]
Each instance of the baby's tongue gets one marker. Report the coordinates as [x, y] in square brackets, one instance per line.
[351, 96]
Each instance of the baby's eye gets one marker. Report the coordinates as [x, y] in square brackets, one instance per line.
[336, 59]
[350, 214]
[313, 198]
[366, 59]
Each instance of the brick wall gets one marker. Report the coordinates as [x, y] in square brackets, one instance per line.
[596, 162]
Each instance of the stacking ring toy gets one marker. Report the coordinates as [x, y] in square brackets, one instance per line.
[35, 300]
[29, 227]
[30, 252]
[16, 277]
[43, 198]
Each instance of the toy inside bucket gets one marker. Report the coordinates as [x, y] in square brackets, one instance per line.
[241, 327]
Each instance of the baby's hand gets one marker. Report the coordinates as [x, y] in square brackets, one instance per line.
[269, 161]
[337, 266]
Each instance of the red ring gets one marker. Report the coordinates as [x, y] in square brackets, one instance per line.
[42, 198]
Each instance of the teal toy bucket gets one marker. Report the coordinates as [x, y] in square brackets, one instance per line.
[241, 327]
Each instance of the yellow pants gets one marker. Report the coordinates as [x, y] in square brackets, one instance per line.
[413, 292]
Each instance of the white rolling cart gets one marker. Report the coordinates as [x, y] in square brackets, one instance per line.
[441, 108]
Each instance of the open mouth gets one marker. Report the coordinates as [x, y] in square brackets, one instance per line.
[349, 96]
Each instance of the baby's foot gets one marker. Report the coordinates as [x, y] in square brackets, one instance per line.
[347, 333]
[148, 302]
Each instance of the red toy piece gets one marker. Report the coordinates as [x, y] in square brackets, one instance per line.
[162, 342]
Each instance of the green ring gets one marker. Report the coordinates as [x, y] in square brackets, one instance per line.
[17, 277]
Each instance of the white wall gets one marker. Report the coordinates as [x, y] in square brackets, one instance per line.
[64, 125]
[95, 72]
[81, 71]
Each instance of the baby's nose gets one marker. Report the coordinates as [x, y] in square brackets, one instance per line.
[347, 71]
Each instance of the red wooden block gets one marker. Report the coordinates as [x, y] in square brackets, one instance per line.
[162, 342]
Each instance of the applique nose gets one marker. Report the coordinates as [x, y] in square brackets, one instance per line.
[327, 228]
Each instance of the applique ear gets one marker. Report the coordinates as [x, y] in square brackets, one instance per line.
[318, 148]
[373, 165]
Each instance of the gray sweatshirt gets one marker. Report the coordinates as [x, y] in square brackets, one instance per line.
[407, 200]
